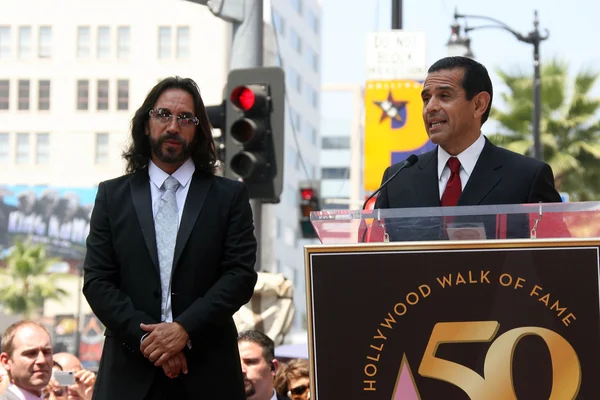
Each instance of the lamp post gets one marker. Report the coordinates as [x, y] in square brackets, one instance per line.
[534, 38]
[459, 45]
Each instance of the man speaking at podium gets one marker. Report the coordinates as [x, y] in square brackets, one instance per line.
[465, 168]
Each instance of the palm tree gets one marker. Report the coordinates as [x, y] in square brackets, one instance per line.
[26, 281]
[570, 128]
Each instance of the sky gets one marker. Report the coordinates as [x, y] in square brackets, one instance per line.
[574, 33]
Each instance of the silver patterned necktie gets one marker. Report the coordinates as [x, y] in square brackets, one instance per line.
[166, 226]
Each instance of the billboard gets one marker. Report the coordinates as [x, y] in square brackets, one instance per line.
[58, 217]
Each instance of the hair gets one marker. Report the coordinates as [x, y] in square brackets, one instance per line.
[296, 368]
[204, 153]
[266, 344]
[475, 79]
[9, 334]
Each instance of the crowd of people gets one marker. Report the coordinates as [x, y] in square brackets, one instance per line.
[28, 368]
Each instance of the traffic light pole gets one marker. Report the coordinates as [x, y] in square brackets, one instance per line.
[247, 43]
[247, 52]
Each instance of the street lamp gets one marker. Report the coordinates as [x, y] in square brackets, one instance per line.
[534, 38]
[459, 45]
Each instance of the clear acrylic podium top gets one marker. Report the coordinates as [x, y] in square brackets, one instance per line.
[524, 221]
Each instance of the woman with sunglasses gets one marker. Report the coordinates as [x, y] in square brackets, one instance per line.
[293, 380]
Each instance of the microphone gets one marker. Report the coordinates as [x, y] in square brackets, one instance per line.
[409, 162]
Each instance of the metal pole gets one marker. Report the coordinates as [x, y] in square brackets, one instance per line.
[247, 52]
[396, 14]
[78, 323]
[538, 150]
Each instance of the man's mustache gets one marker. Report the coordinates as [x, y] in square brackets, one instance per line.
[173, 137]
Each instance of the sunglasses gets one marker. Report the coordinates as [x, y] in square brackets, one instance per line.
[298, 390]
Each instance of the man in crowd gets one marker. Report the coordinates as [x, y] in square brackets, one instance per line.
[259, 366]
[27, 358]
[83, 387]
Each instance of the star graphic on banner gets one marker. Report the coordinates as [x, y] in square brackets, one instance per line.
[391, 108]
[406, 388]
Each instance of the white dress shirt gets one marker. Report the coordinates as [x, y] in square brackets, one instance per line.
[274, 397]
[157, 178]
[467, 158]
[23, 394]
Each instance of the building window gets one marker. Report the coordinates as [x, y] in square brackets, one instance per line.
[84, 42]
[183, 42]
[25, 42]
[42, 155]
[313, 21]
[313, 137]
[122, 94]
[4, 150]
[164, 42]
[296, 41]
[83, 94]
[298, 122]
[297, 5]
[4, 92]
[101, 148]
[335, 173]
[123, 42]
[335, 142]
[102, 103]
[22, 148]
[103, 42]
[4, 42]
[45, 42]
[278, 23]
[312, 58]
[295, 80]
[44, 95]
[23, 95]
[314, 98]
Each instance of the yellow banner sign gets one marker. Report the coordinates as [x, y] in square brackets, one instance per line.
[394, 126]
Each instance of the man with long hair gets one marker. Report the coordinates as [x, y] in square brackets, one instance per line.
[170, 258]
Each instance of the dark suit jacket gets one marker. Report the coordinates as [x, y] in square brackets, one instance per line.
[213, 276]
[499, 177]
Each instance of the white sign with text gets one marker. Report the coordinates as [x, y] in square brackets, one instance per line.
[396, 55]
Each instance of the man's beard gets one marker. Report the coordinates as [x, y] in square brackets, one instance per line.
[249, 388]
[171, 156]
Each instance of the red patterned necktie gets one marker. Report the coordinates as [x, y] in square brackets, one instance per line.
[454, 186]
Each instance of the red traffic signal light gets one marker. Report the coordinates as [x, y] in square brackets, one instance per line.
[307, 194]
[250, 98]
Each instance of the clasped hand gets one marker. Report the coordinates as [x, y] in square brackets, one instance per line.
[163, 346]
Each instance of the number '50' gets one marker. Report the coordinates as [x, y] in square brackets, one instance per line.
[566, 370]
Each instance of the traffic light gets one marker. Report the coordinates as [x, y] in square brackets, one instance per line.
[309, 202]
[254, 130]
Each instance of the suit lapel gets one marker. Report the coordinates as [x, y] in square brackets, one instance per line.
[142, 202]
[485, 176]
[194, 201]
[427, 187]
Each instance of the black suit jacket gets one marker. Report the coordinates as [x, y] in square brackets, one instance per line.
[499, 177]
[213, 276]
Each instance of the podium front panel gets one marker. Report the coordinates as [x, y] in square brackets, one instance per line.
[514, 319]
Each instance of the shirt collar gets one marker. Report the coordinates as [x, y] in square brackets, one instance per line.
[468, 158]
[183, 174]
[23, 394]
[274, 397]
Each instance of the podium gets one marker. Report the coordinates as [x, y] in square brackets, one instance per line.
[481, 303]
